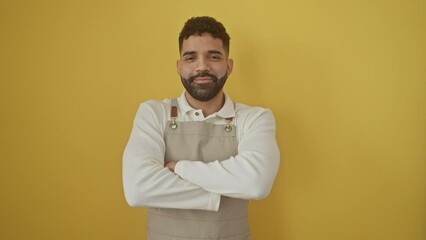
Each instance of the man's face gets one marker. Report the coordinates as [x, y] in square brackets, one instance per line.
[203, 66]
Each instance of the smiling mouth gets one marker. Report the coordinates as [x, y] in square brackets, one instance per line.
[201, 80]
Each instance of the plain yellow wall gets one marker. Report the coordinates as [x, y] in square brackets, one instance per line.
[346, 81]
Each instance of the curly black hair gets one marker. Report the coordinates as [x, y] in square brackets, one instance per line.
[199, 25]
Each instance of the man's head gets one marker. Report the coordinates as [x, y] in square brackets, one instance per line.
[204, 65]
[196, 26]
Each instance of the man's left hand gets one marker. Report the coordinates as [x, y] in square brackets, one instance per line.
[171, 165]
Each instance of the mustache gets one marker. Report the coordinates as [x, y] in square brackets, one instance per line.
[203, 74]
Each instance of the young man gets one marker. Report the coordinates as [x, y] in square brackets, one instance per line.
[195, 161]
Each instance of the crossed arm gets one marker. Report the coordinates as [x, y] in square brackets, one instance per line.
[194, 184]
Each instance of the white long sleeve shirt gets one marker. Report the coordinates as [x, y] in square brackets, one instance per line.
[195, 184]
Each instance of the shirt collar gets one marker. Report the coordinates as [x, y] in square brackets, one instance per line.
[227, 111]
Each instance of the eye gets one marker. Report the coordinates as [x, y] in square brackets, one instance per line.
[215, 57]
[189, 58]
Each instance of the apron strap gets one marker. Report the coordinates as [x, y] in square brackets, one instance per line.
[173, 112]
[228, 127]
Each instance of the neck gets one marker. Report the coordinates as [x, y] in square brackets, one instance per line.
[208, 107]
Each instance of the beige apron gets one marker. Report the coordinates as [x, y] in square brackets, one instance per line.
[200, 141]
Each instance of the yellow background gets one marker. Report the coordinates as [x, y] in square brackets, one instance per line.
[346, 81]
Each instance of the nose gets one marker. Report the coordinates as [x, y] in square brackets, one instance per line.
[202, 65]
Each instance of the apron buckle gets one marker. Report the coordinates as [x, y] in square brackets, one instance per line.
[228, 127]
[173, 125]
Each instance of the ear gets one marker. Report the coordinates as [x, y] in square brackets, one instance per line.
[178, 66]
[230, 66]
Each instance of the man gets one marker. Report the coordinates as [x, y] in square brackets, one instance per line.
[195, 161]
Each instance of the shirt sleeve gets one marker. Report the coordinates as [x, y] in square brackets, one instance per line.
[248, 175]
[146, 182]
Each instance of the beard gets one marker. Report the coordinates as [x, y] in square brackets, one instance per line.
[204, 92]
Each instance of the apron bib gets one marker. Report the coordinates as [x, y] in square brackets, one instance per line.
[200, 141]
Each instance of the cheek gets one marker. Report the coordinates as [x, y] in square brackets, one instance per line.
[182, 71]
[221, 70]
[187, 74]
[185, 70]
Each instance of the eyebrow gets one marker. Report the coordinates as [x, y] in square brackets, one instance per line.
[188, 53]
[194, 52]
[215, 51]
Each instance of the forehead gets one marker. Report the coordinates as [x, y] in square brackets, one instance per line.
[203, 43]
